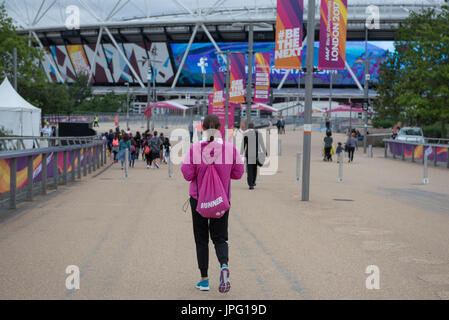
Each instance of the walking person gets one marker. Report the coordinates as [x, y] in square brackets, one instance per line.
[155, 150]
[351, 144]
[124, 146]
[167, 147]
[216, 171]
[328, 146]
[161, 153]
[254, 149]
[134, 152]
[191, 131]
[115, 147]
[138, 140]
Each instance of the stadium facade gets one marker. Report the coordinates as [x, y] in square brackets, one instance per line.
[115, 40]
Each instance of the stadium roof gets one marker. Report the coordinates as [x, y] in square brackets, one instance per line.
[51, 14]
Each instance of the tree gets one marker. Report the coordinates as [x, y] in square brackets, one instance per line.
[28, 57]
[110, 102]
[414, 81]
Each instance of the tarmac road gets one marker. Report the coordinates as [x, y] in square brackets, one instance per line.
[131, 239]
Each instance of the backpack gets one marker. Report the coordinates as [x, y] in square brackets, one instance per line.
[147, 149]
[133, 149]
[213, 201]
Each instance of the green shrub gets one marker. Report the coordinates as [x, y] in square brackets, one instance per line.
[383, 123]
[433, 131]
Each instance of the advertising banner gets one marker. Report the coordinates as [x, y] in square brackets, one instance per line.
[262, 84]
[237, 85]
[219, 83]
[333, 29]
[289, 19]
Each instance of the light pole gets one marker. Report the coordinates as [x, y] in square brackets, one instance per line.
[250, 64]
[150, 79]
[127, 105]
[203, 64]
[308, 101]
[365, 104]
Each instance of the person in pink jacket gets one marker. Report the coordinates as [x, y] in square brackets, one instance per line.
[228, 165]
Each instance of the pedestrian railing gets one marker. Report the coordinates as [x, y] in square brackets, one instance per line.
[25, 173]
[29, 142]
[437, 154]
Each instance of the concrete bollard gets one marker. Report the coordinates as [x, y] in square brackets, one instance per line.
[298, 166]
[279, 147]
[370, 151]
[340, 167]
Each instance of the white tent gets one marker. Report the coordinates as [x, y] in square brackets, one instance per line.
[16, 114]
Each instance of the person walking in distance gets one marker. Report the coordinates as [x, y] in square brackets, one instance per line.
[210, 177]
[191, 131]
[351, 144]
[155, 150]
[251, 147]
[328, 146]
[124, 147]
[115, 147]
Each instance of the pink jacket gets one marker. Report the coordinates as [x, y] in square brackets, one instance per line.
[229, 165]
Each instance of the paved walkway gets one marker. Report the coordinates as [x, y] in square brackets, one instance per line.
[131, 239]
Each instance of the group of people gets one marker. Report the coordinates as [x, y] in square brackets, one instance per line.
[280, 124]
[350, 146]
[154, 148]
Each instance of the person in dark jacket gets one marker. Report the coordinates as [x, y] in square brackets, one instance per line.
[252, 144]
[328, 146]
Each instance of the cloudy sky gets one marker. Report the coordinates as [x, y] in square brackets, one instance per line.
[24, 11]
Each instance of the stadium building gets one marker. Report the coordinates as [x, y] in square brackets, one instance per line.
[119, 42]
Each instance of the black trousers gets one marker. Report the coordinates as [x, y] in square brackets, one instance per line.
[351, 153]
[251, 170]
[218, 229]
[327, 153]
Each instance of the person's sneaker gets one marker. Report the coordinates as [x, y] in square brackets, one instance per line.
[203, 285]
[225, 283]
[148, 167]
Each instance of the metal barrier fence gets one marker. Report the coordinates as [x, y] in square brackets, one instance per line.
[29, 142]
[25, 173]
[438, 154]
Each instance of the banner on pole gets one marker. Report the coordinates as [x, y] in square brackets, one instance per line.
[218, 97]
[289, 29]
[237, 85]
[262, 86]
[333, 28]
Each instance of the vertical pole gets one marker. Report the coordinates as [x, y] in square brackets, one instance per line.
[126, 163]
[279, 147]
[29, 194]
[403, 151]
[85, 164]
[365, 132]
[340, 166]
[170, 168]
[426, 176]
[12, 182]
[308, 101]
[72, 161]
[370, 151]
[298, 166]
[149, 69]
[250, 75]
[413, 153]
[228, 80]
[98, 153]
[64, 177]
[15, 68]
[44, 173]
[55, 170]
[79, 163]
[330, 94]
[127, 106]
[386, 149]
[435, 156]
[89, 160]
[102, 159]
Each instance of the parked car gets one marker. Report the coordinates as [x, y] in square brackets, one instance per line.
[411, 134]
